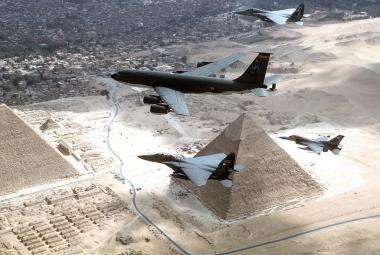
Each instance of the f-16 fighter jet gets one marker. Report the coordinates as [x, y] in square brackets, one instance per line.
[280, 17]
[317, 145]
[171, 87]
[200, 169]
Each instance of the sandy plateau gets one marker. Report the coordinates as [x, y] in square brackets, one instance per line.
[330, 85]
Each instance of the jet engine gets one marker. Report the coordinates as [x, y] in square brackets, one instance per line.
[203, 63]
[152, 99]
[159, 109]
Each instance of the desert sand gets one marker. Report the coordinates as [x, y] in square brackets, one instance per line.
[330, 86]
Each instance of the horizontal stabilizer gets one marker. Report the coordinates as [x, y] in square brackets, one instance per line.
[260, 92]
[226, 183]
[336, 151]
[273, 79]
[238, 168]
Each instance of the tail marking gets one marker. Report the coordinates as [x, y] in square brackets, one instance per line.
[255, 73]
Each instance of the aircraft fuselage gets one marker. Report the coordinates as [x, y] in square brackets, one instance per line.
[183, 82]
[326, 145]
[178, 163]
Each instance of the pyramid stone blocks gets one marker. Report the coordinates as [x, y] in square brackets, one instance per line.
[271, 177]
[25, 158]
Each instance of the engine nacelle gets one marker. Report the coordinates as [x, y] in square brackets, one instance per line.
[203, 63]
[152, 99]
[179, 71]
[159, 109]
[274, 87]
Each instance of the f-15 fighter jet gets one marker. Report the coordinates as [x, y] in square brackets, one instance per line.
[280, 17]
[317, 145]
[171, 87]
[200, 169]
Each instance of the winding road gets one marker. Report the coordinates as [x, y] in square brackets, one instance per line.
[116, 110]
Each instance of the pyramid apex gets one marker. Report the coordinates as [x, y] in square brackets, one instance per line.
[271, 177]
[242, 127]
[22, 151]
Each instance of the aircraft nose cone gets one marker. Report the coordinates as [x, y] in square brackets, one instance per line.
[116, 76]
[240, 12]
[243, 12]
[158, 158]
[146, 157]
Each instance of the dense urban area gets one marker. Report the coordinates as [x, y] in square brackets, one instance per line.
[49, 49]
[80, 147]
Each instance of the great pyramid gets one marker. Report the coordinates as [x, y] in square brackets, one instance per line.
[271, 177]
[25, 158]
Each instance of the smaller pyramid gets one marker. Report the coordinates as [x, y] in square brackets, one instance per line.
[49, 124]
[271, 177]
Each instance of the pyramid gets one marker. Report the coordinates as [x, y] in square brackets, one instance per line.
[25, 158]
[271, 177]
[48, 125]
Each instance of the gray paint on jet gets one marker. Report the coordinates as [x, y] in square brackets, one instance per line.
[317, 145]
[199, 169]
[277, 17]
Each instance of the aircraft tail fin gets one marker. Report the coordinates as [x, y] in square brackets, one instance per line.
[225, 169]
[336, 140]
[255, 73]
[229, 161]
[297, 14]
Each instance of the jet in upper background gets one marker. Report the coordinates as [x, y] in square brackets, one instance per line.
[280, 17]
[171, 87]
[200, 169]
[317, 145]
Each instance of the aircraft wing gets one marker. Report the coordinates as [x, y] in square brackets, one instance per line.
[216, 66]
[175, 99]
[198, 176]
[209, 160]
[322, 139]
[276, 18]
[284, 12]
[315, 147]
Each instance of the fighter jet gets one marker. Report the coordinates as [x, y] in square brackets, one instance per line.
[200, 169]
[171, 87]
[280, 17]
[317, 145]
